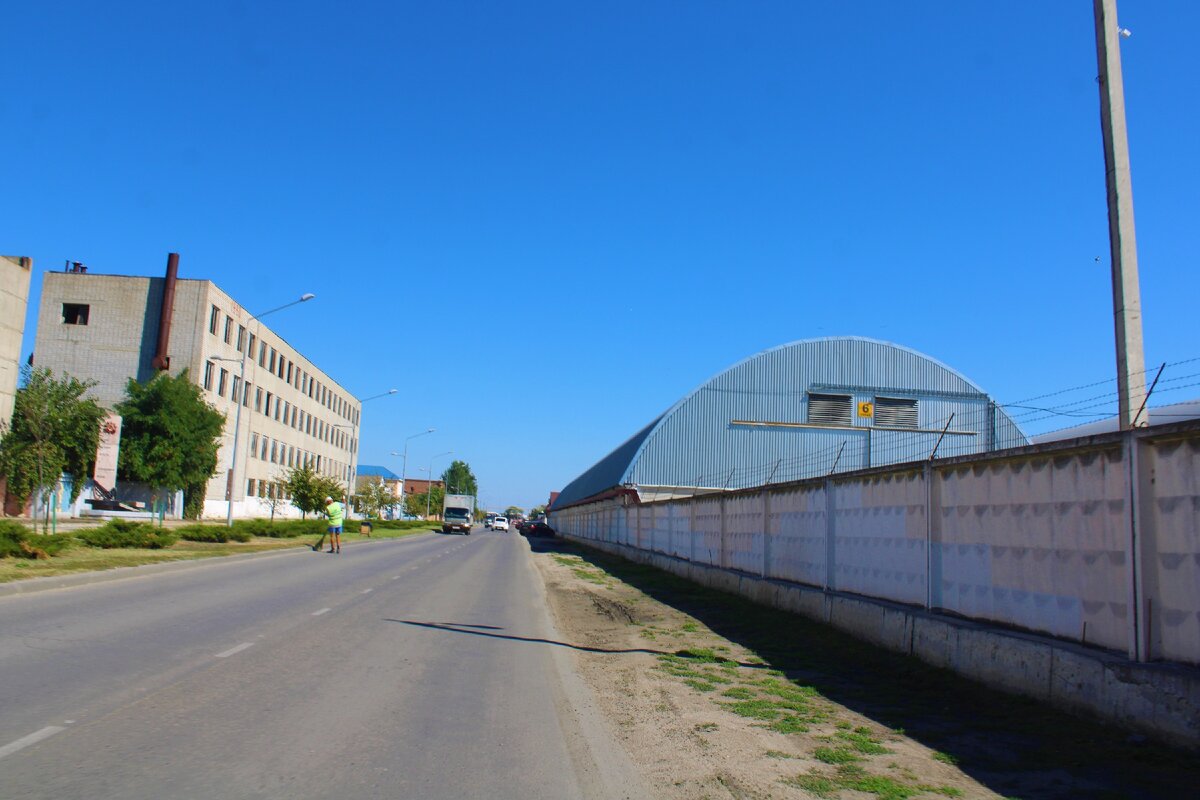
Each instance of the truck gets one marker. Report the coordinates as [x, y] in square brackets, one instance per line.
[458, 512]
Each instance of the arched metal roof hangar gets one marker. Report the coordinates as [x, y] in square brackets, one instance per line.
[800, 410]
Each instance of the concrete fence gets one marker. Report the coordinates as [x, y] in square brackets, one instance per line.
[1092, 542]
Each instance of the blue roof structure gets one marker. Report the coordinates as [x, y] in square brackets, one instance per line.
[373, 471]
[803, 409]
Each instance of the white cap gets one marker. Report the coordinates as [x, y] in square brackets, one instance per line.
[328, 499]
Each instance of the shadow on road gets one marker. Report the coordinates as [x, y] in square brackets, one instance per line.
[455, 627]
[1012, 745]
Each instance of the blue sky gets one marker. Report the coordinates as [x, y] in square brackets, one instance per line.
[546, 222]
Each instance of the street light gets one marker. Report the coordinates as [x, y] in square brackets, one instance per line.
[350, 487]
[240, 401]
[429, 469]
[404, 467]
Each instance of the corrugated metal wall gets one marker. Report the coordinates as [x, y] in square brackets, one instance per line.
[697, 443]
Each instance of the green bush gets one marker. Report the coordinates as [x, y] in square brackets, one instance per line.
[213, 533]
[282, 529]
[127, 533]
[17, 541]
[401, 524]
[253, 527]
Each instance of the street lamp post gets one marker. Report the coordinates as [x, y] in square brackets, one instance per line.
[353, 474]
[1127, 299]
[429, 469]
[404, 462]
[240, 401]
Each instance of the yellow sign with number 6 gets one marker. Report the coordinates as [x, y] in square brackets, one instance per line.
[866, 409]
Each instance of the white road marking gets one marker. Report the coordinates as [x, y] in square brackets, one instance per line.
[366, 591]
[33, 738]
[234, 650]
[319, 613]
[395, 577]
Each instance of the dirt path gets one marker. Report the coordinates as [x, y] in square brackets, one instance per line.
[714, 697]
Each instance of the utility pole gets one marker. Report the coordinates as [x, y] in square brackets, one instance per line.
[1127, 302]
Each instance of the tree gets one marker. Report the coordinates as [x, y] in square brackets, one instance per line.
[537, 511]
[513, 511]
[170, 437]
[275, 498]
[373, 496]
[55, 429]
[308, 489]
[458, 479]
[415, 504]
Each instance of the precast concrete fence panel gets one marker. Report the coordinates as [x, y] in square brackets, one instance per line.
[1095, 541]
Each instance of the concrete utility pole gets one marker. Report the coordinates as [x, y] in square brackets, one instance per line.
[1127, 301]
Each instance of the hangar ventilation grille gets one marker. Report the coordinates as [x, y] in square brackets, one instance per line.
[829, 409]
[893, 412]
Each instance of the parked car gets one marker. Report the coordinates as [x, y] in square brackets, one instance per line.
[500, 524]
[537, 527]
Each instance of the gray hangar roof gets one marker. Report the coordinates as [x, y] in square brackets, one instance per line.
[800, 410]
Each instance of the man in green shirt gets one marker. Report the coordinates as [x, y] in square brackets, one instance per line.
[334, 512]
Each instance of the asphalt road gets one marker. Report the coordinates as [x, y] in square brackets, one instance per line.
[424, 667]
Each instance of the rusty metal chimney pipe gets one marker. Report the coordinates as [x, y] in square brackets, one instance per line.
[162, 361]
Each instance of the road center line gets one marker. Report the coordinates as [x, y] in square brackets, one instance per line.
[367, 591]
[319, 613]
[234, 650]
[33, 738]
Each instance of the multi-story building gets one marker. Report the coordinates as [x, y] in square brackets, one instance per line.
[14, 298]
[110, 328]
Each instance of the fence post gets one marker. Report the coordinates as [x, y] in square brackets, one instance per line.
[927, 475]
[692, 529]
[1139, 501]
[723, 560]
[638, 526]
[830, 538]
[766, 527]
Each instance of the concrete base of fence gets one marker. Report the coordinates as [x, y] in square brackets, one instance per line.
[1161, 700]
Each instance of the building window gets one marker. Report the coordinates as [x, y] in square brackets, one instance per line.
[267, 405]
[254, 445]
[271, 366]
[75, 313]
[241, 337]
[289, 372]
[263, 452]
[228, 329]
[208, 371]
[258, 400]
[250, 346]
[246, 394]
[829, 409]
[278, 403]
[237, 384]
[274, 450]
[213, 318]
[224, 379]
[262, 353]
[250, 487]
[281, 362]
[895, 412]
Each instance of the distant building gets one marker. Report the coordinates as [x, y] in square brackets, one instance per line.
[110, 328]
[420, 485]
[15, 272]
[370, 473]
